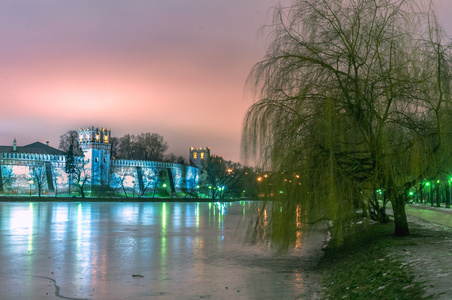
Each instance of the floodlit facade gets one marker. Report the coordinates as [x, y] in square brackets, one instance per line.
[40, 167]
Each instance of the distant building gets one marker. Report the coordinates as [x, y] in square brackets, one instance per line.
[37, 147]
[199, 157]
[24, 169]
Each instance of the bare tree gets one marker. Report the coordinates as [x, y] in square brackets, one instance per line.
[8, 178]
[82, 174]
[145, 146]
[352, 98]
[222, 177]
[181, 160]
[125, 147]
[38, 176]
[70, 165]
[170, 158]
[150, 146]
[67, 140]
[150, 178]
[114, 149]
[121, 179]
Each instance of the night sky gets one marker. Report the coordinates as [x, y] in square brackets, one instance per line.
[173, 67]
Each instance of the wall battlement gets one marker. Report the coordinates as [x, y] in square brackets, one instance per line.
[33, 156]
[141, 163]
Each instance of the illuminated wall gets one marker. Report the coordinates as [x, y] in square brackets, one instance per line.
[21, 172]
[146, 176]
[26, 173]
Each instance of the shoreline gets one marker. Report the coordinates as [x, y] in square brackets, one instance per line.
[10, 199]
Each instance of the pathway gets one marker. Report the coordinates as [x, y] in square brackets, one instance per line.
[430, 253]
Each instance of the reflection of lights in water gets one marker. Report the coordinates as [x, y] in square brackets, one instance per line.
[130, 213]
[299, 282]
[176, 216]
[197, 214]
[210, 214]
[299, 232]
[221, 207]
[60, 214]
[163, 218]
[79, 224]
[163, 261]
[221, 210]
[30, 227]
[21, 224]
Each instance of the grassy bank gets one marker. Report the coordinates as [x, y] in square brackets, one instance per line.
[370, 266]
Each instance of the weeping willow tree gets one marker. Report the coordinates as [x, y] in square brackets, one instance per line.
[353, 96]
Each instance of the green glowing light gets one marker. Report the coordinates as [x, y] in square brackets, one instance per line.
[164, 185]
[427, 184]
[163, 217]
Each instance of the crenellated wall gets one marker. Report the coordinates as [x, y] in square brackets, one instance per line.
[31, 157]
[24, 173]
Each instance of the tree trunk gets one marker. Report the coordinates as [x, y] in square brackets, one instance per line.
[438, 196]
[69, 184]
[431, 194]
[400, 220]
[421, 194]
[447, 195]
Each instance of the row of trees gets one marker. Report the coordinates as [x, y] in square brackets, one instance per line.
[354, 97]
[225, 179]
[144, 146]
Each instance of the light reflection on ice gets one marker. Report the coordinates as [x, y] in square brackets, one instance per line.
[182, 250]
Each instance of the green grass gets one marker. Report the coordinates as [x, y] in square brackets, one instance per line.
[366, 267]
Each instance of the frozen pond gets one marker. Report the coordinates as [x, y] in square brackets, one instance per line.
[143, 251]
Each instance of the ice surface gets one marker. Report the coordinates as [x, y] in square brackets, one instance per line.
[143, 251]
